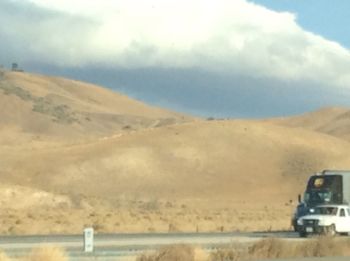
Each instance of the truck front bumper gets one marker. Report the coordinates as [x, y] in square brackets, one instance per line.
[315, 229]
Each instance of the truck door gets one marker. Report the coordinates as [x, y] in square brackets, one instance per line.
[343, 221]
[347, 211]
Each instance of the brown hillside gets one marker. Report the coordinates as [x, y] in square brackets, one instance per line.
[333, 121]
[199, 176]
[39, 106]
[134, 170]
[222, 159]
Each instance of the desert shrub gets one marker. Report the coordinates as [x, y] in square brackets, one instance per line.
[170, 253]
[48, 253]
[151, 205]
[319, 247]
[10, 89]
[324, 246]
[228, 254]
[271, 248]
[173, 228]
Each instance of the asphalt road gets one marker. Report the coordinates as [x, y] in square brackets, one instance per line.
[111, 246]
[118, 246]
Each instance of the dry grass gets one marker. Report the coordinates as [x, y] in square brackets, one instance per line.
[170, 253]
[275, 248]
[270, 248]
[47, 253]
[139, 217]
[63, 108]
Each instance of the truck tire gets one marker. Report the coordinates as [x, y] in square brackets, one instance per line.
[331, 231]
[302, 234]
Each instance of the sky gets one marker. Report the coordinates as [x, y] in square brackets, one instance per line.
[223, 58]
[324, 17]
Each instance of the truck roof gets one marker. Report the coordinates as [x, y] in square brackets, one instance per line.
[332, 206]
[330, 172]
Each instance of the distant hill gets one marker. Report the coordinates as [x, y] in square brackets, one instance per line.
[41, 106]
[120, 145]
[334, 121]
[210, 160]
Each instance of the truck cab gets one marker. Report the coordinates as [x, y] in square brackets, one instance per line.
[325, 219]
[327, 187]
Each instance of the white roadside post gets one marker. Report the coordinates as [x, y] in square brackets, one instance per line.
[88, 240]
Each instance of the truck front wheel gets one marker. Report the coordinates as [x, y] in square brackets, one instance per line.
[302, 234]
[330, 231]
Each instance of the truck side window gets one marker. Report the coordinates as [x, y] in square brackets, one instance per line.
[342, 212]
[348, 210]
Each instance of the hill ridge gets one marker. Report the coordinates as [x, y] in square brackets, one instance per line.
[57, 107]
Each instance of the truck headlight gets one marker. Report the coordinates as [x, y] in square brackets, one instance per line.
[300, 222]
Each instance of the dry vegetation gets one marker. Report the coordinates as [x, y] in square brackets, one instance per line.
[265, 249]
[144, 216]
[270, 248]
[59, 108]
[170, 253]
[47, 253]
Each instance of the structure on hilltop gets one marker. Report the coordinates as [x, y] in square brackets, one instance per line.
[15, 68]
[2, 70]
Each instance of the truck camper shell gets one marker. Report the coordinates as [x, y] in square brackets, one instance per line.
[345, 174]
[326, 187]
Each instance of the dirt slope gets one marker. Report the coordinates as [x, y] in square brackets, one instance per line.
[222, 159]
[35, 106]
[334, 121]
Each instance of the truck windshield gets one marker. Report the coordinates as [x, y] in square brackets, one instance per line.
[324, 189]
[318, 197]
[325, 211]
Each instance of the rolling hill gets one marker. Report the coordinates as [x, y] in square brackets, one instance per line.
[334, 121]
[51, 107]
[221, 159]
[74, 154]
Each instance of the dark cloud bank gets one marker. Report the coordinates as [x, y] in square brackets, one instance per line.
[210, 95]
[193, 91]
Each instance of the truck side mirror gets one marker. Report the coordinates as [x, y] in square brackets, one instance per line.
[299, 198]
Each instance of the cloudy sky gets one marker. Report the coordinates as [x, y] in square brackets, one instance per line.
[222, 58]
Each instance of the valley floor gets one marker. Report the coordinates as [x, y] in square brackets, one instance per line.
[146, 216]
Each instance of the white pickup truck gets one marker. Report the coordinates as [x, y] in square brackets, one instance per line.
[325, 219]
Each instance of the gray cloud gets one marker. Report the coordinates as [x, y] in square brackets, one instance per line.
[208, 94]
[214, 58]
[222, 37]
